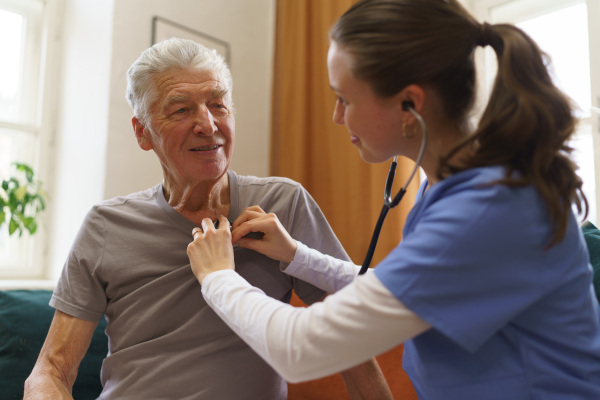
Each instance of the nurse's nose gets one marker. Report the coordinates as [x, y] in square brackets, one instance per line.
[338, 113]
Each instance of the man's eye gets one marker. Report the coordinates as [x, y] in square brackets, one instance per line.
[181, 110]
[220, 108]
[342, 101]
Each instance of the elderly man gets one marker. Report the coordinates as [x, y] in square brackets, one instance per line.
[129, 260]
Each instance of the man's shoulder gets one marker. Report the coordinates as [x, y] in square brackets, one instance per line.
[268, 181]
[270, 193]
[134, 200]
[280, 188]
[132, 210]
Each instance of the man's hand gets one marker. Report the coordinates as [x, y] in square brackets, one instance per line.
[211, 249]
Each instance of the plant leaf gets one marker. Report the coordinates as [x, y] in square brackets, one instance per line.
[20, 193]
[26, 169]
[30, 224]
[42, 203]
[21, 200]
[13, 203]
[12, 226]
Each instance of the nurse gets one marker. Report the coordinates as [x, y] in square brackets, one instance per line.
[490, 289]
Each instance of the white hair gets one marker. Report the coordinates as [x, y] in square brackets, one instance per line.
[169, 54]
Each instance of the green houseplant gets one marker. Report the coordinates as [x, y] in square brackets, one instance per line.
[21, 200]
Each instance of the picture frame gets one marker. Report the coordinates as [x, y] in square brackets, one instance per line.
[163, 29]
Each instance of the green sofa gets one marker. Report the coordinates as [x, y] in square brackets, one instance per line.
[592, 238]
[25, 317]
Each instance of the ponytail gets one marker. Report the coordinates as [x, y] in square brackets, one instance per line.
[525, 127]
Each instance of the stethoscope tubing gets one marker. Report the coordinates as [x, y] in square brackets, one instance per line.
[388, 202]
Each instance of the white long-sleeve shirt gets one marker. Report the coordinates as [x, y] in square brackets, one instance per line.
[363, 319]
[324, 271]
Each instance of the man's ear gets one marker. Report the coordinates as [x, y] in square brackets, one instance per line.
[142, 134]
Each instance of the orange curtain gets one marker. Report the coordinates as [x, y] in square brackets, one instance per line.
[308, 147]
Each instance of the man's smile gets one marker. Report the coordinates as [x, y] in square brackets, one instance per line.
[206, 148]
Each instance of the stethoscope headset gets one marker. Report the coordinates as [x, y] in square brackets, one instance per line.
[388, 202]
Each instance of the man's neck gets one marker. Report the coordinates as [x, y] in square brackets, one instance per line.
[199, 200]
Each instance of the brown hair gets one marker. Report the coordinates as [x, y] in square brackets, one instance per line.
[527, 121]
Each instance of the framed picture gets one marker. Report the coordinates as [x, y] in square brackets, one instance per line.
[164, 29]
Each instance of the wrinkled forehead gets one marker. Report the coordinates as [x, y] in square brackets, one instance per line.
[175, 84]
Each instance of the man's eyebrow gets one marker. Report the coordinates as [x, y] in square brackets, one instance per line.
[215, 93]
[219, 92]
[175, 99]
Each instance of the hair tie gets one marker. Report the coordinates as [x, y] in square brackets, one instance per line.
[484, 35]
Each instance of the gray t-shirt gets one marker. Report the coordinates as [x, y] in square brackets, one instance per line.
[129, 262]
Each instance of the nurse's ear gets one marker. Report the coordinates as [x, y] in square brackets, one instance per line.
[142, 134]
[412, 96]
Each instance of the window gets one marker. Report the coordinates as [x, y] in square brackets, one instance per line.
[560, 27]
[20, 72]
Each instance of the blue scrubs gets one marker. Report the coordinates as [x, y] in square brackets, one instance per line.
[512, 319]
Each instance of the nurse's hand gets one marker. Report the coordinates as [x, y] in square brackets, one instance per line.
[211, 249]
[275, 242]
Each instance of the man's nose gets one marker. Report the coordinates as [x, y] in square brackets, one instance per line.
[204, 123]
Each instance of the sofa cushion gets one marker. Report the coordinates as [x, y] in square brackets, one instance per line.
[25, 317]
[592, 238]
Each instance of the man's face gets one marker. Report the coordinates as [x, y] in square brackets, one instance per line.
[192, 128]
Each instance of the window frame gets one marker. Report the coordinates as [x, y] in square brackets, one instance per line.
[29, 254]
[482, 11]
[31, 59]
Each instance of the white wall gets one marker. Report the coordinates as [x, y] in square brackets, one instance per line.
[82, 121]
[97, 155]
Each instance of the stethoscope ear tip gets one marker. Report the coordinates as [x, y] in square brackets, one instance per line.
[407, 105]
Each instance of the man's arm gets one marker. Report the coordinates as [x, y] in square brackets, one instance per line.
[55, 371]
[366, 381]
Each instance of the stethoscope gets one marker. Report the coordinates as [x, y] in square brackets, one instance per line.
[388, 202]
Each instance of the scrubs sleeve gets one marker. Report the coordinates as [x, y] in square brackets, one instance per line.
[470, 260]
